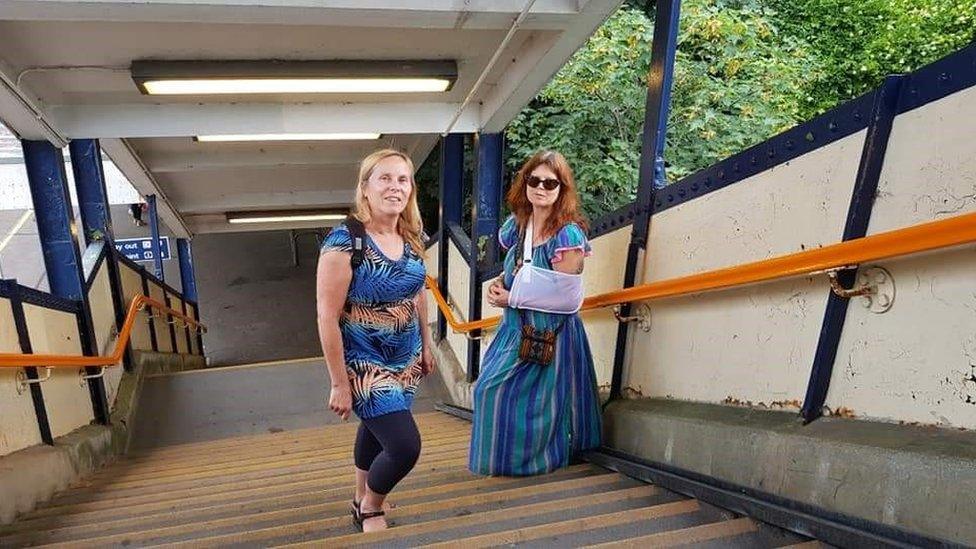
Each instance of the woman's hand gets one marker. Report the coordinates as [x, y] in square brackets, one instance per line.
[497, 294]
[428, 363]
[340, 401]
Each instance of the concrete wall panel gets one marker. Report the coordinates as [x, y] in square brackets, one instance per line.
[457, 295]
[103, 318]
[131, 287]
[18, 423]
[750, 344]
[917, 362]
[68, 401]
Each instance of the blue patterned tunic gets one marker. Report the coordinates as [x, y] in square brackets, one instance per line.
[380, 327]
[530, 419]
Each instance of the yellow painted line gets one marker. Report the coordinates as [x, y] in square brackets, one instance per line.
[574, 526]
[71, 527]
[244, 366]
[341, 508]
[161, 474]
[686, 536]
[486, 517]
[214, 478]
[17, 226]
[812, 544]
[424, 422]
[270, 447]
[318, 488]
[222, 492]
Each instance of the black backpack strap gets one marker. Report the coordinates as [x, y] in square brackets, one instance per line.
[358, 234]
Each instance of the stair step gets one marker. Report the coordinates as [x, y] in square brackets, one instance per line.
[293, 489]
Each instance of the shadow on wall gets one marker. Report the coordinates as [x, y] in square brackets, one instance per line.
[257, 304]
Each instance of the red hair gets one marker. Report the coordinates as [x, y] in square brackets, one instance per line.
[566, 208]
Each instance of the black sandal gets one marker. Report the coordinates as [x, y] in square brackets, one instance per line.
[358, 517]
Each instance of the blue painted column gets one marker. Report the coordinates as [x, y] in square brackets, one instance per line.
[96, 218]
[450, 192]
[59, 242]
[651, 173]
[154, 234]
[486, 202]
[86, 165]
[187, 277]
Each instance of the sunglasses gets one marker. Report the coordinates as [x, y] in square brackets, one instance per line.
[547, 184]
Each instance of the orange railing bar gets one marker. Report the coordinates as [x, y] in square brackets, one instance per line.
[911, 240]
[140, 302]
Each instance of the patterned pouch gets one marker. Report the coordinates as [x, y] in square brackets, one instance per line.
[537, 346]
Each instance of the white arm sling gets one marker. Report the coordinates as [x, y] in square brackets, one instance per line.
[543, 290]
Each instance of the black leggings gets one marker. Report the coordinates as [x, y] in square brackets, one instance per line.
[388, 447]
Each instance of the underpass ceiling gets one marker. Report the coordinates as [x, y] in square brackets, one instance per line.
[64, 74]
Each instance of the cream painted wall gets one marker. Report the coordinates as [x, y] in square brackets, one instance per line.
[917, 362]
[67, 400]
[457, 292]
[431, 264]
[103, 318]
[181, 346]
[131, 287]
[18, 423]
[604, 272]
[752, 344]
[163, 342]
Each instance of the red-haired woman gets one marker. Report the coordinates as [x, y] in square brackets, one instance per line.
[532, 416]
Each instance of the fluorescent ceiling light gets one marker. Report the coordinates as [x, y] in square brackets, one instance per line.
[296, 85]
[281, 77]
[288, 137]
[283, 216]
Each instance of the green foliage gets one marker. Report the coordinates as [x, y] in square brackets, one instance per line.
[736, 83]
[858, 43]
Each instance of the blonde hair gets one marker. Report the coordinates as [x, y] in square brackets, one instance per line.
[409, 225]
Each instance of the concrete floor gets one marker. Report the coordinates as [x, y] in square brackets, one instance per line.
[257, 304]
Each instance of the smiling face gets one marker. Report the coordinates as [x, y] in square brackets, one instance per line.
[388, 187]
[539, 197]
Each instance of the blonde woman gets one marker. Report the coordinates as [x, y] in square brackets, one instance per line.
[373, 328]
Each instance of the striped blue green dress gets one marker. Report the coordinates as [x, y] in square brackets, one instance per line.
[530, 419]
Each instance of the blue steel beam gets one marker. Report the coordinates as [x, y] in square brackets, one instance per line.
[651, 173]
[86, 165]
[486, 201]
[450, 192]
[187, 278]
[858, 216]
[58, 234]
[154, 235]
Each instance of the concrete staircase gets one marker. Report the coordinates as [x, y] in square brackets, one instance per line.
[294, 487]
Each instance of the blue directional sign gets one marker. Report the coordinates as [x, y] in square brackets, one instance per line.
[140, 249]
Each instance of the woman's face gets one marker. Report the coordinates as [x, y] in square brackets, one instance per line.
[538, 196]
[388, 187]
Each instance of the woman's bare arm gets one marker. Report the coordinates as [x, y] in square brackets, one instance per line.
[332, 281]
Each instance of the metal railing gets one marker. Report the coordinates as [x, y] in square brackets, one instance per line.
[827, 260]
[140, 302]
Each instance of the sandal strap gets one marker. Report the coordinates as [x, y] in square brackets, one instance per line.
[364, 515]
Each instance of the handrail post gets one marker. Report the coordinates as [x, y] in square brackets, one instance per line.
[452, 170]
[651, 173]
[62, 258]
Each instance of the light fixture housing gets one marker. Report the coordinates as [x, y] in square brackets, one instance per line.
[287, 77]
[230, 138]
[286, 216]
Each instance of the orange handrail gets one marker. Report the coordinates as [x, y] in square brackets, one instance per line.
[8, 360]
[911, 240]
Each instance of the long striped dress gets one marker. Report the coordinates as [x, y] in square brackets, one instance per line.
[530, 419]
